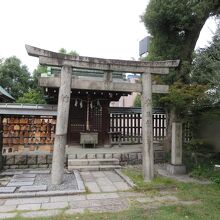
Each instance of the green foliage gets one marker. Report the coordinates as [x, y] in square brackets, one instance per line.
[175, 26]
[205, 171]
[206, 67]
[64, 51]
[185, 97]
[32, 97]
[137, 101]
[14, 77]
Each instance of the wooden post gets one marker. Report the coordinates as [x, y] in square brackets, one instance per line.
[147, 127]
[61, 126]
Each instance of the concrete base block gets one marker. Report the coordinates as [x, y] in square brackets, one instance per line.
[176, 169]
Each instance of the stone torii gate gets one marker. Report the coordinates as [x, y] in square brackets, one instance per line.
[66, 82]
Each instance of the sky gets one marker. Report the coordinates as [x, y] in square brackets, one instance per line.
[95, 28]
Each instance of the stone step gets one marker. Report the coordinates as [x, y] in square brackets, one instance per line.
[94, 168]
[92, 162]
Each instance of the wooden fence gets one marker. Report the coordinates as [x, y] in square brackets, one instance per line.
[128, 121]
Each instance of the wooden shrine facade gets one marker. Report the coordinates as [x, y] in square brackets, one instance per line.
[67, 82]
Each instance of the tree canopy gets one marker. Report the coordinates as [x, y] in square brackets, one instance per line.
[14, 77]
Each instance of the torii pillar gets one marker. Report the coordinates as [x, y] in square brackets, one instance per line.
[61, 125]
[147, 127]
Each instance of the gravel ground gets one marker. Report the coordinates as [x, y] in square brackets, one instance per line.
[69, 182]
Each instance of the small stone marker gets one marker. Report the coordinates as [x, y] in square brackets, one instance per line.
[7, 189]
[33, 188]
[20, 183]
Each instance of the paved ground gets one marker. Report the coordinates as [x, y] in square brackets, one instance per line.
[29, 180]
[104, 181]
[161, 170]
[96, 202]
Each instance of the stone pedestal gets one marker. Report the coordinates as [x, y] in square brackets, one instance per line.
[176, 166]
[176, 169]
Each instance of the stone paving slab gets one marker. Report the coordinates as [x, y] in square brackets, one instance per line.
[98, 174]
[20, 183]
[92, 187]
[101, 196]
[74, 211]
[104, 181]
[38, 172]
[27, 201]
[55, 205]
[8, 208]
[67, 198]
[7, 189]
[26, 175]
[28, 207]
[121, 186]
[7, 215]
[108, 188]
[36, 214]
[85, 204]
[10, 173]
[22, 180]
[32, 188]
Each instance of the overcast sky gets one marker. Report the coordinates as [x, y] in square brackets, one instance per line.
[99, 28]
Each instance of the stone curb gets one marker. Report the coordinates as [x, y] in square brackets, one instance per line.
[40, 194]
[125, 178]
[79, 181]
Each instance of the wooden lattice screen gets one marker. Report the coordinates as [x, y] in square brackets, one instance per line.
[130, 126]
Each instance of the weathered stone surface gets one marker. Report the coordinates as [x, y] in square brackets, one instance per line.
[7, 189]
[117, 156]
[92, 187]
[33, 166]
[42, 159]
[22, 180]
[49, 159]
[67, 198]
[36, 214]
[98, 174]
[102, 196]
[85, 204]
[21, 183]
[108, 188]
[32, 159]
[47, 171]
[99, 156]
[27, 201]
[7, 215]
[121, 186]
[26, 175]
[9, 160]
[8, 208]
[20, 159]
[33, 188]
[74, 211]
[108, 156]
[91, 156]
[55, 205]
[29, 207]
[43, 165]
